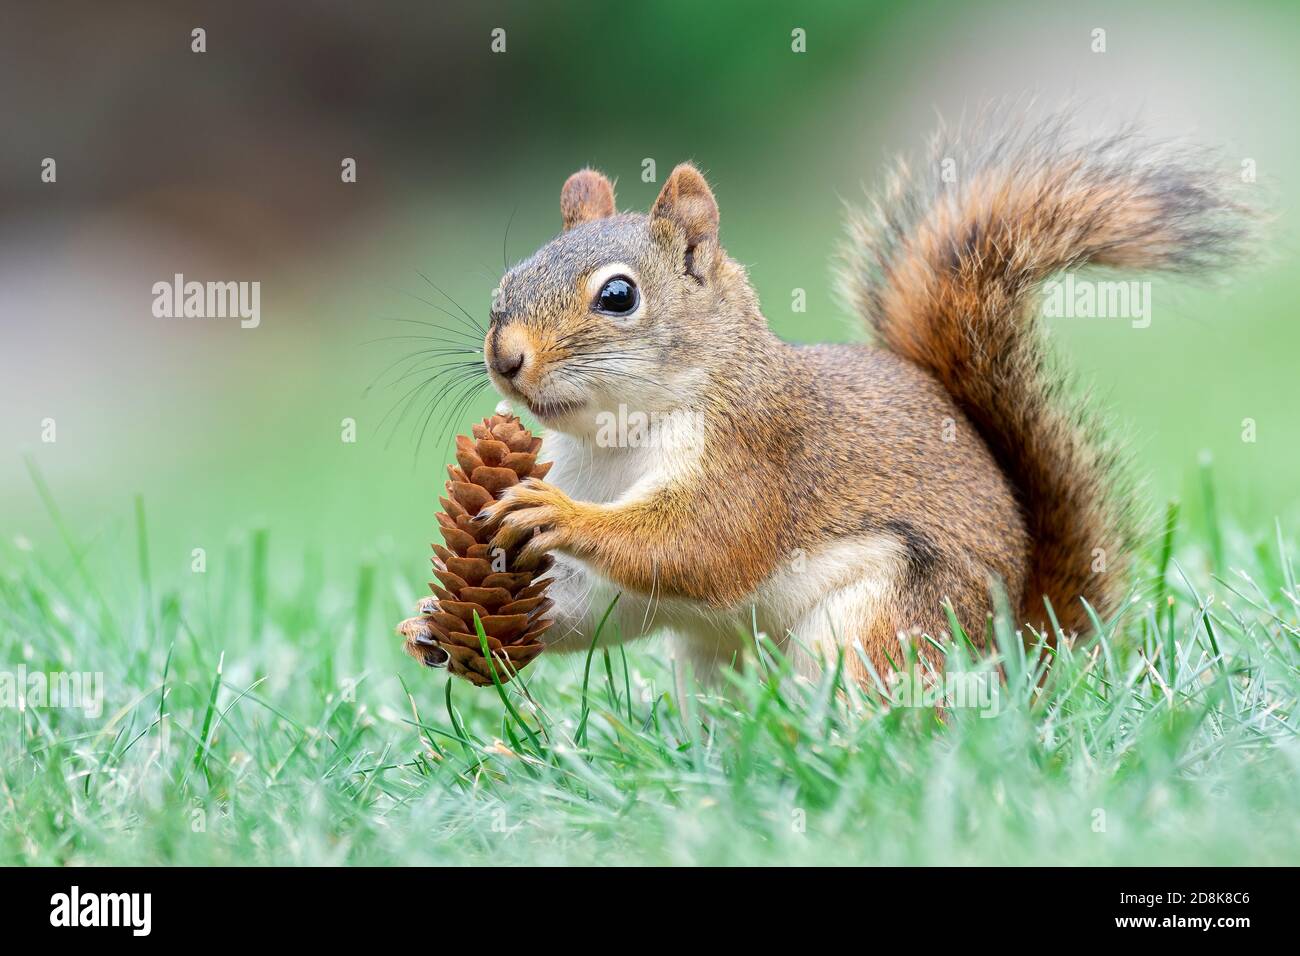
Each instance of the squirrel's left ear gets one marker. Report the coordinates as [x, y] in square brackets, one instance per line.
[687, 202]
[586, 195]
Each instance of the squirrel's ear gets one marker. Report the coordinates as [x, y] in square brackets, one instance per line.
[586, 195]
[687, 202]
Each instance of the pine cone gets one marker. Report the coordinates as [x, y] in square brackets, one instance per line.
[472, 578]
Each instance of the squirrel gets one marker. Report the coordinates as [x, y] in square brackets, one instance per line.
[840, 498]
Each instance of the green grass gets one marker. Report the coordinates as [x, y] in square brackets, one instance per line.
[251, 720]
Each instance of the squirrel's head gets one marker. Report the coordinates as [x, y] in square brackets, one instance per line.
[627, 309]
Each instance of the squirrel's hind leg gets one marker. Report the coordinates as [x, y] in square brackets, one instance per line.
[850, 618]
[881, 621]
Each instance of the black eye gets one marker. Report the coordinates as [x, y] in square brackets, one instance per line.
[618, 296]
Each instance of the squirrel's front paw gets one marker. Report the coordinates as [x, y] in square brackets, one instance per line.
[421, 641]
[534, 508]
[419, 637]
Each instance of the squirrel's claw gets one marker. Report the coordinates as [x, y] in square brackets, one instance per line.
[540, 544]
[525, 508]
[519, 524]
[420, 642]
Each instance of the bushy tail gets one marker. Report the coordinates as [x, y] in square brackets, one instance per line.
[946, 266]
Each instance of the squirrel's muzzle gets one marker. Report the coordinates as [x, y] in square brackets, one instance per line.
[507, 350]
[507, 365]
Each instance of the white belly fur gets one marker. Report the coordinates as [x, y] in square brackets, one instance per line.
[850, 578]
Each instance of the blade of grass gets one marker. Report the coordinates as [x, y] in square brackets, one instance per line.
[201, 750]
[1211, 511]
[539, 750]
[585, 713]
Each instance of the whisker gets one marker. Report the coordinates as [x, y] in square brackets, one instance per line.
[594, 375]
[613, 347]
[406, 358]
[474, 338]
[612, 356]
[403, 318]
[443, 370]
[568, 337]
[468, 393]
[391, 289]
[471, 326]
[427, 408]
[472, 321]
[505, 258]
[408, 398]
[457, 414]
[447, 347]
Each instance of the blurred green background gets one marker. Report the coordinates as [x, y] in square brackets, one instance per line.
[225, 166]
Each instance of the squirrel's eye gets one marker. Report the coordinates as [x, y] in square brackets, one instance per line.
[618, 296]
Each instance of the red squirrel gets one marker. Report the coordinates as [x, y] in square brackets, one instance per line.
[839, 495]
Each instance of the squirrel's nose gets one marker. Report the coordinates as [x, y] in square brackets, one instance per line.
[507, 364]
